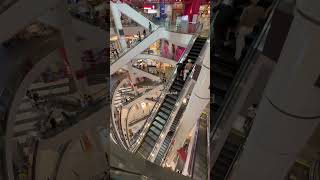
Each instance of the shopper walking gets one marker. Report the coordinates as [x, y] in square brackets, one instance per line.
[150, 27]
[139, 36]
[144, 34]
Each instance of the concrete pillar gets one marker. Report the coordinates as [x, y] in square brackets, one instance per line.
[289, 111]
[118, 25]
[199, 99]
[71, 50]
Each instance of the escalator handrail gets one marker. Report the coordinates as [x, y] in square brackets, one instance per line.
[61, 154]
[163, 94]
[242, 72]
[234, 160]
[193, 153]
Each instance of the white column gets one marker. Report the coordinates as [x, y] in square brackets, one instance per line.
[118, 25]
[199, 99]
[289, 111]
[72, 49]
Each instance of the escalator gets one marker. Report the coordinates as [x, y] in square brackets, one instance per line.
[227, 157]
[200, 161]
[167, 141]
[224, 72]
[168, 105]
[229, 74]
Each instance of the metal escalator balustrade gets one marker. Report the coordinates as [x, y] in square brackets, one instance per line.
[167, 107]
[225, 87]
[168, 139]
[314, 173]
[227, 157]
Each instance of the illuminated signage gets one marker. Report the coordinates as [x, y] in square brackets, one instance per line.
[149, 7]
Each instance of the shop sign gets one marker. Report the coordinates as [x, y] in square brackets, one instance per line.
[165, 1]
[149, 7]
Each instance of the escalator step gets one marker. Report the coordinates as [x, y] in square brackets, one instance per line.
[179, 83]
[143, 152]
[152, 135]
[167, 111]
[192, 53]
[147, 147]
[231, 147]
[155, 130]
[223, 161]
[222, 170]
[160, 120]
[226, 155]
[176, 88]
[172, 101]
[162, 150]
[157, 125]
[175, 83]
[196, 50]
[218, 92]
[217, 176]
[220, 84]
[163, 115]
[173, 96]
[150, 141]
[166, 141]
[217, 72]
[167, 105]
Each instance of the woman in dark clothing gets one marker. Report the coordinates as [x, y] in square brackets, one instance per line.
[222, 23]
